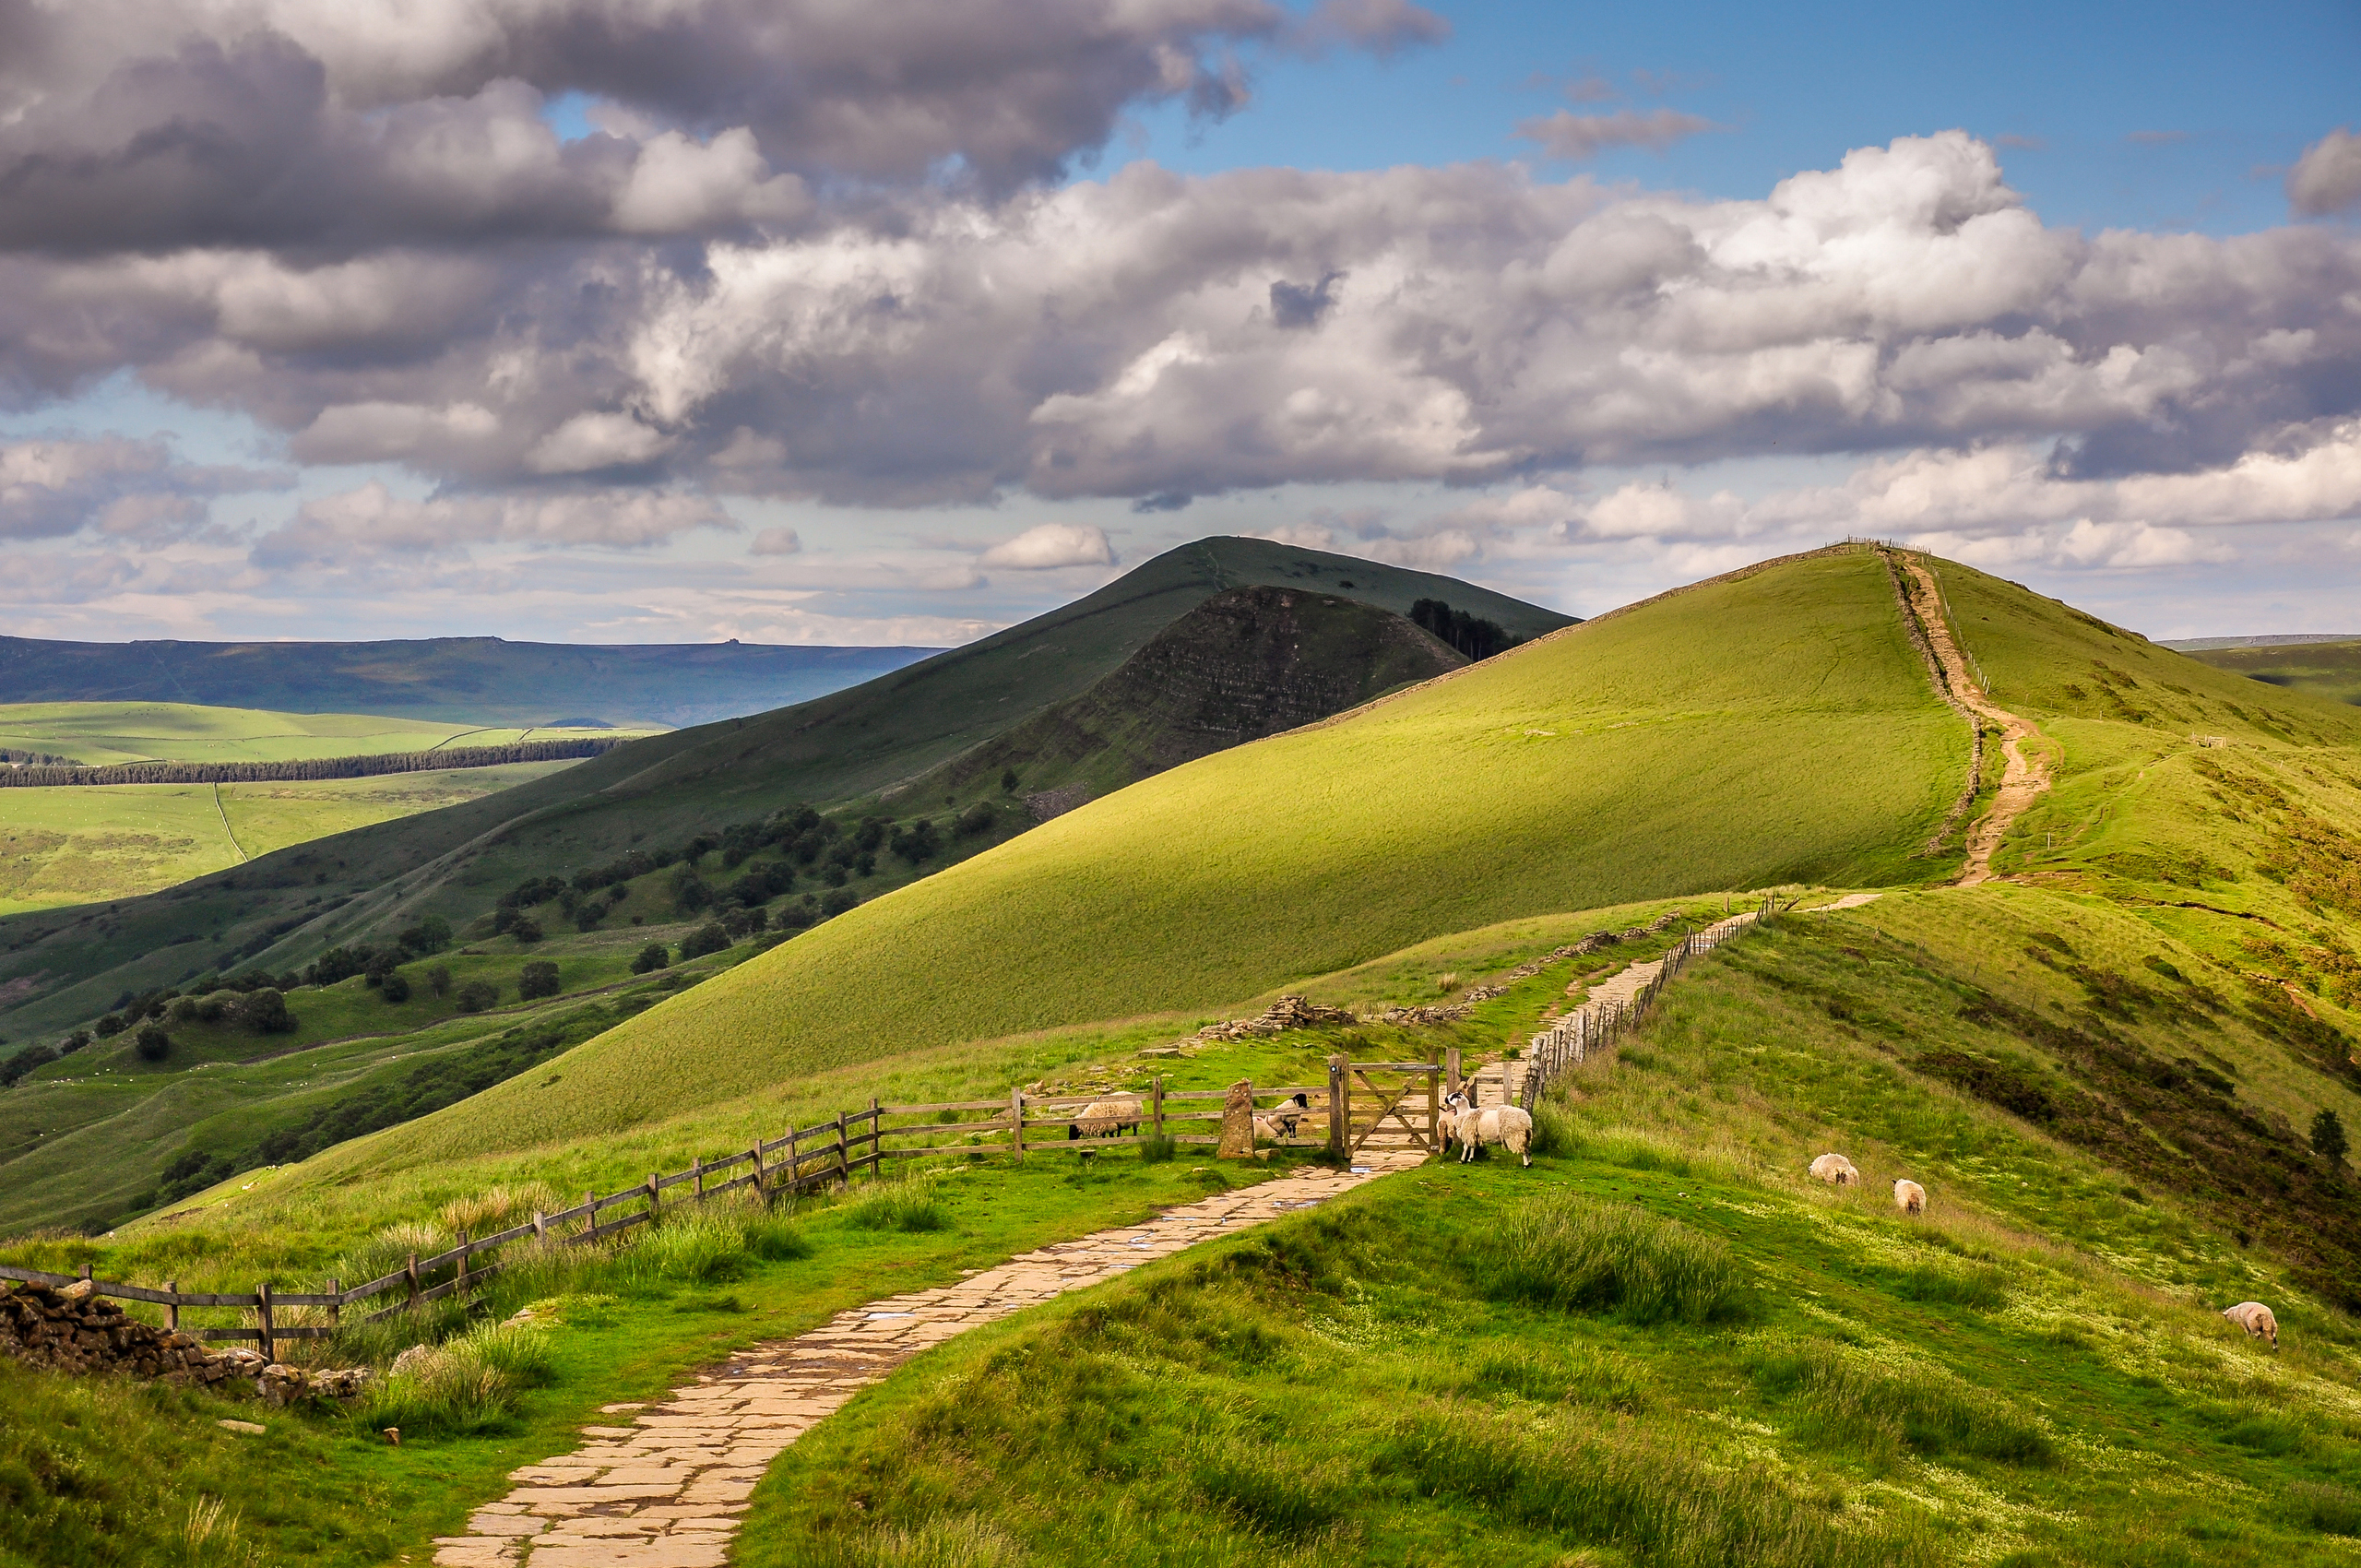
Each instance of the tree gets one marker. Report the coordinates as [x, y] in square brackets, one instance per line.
[430, 935]
[380, 963]
[527, 931]
[395, 988]
[977, 818]
[73, 1042]
[2327, 1137]
[703, 940]
[265, 1011]
[539, 978]
[651, 958]
[438, 979]
[153, 1043]
[1008, 783]
[917, 843]
[111, 1026]
[836, 901]
[477, 995]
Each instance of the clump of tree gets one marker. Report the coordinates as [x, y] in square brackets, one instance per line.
[476, 996]
[706, 939]
[651, 958]
[2327, 1137]
[24, 1062]
[917, 842]
[538, 980]
[1473, 637]
[152, 1043]
[51, 775]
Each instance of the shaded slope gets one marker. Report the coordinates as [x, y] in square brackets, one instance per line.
[1774, 725]
[1244, 664]
[468, 680]
[839, 747]
[2331, 670]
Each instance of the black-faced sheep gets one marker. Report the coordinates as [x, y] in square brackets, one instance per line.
[1106, 1119]
[1506, 1125]
[1282, 1120]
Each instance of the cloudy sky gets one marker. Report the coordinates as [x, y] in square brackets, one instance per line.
[799, 321]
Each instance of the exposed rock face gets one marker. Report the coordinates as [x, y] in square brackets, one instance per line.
[76, 1329]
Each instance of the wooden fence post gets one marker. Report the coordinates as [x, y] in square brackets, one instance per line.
[843, 1166]
[794, 1165]
[460, 1289]
[1434, 1108]
[336, 1308]
[410, 1271]
[262, 1317]
[876, 1138]
[1156, 1104]
[755, 1154]
[652, 1194]
[1016, 1123]
[696, 1168]
[173, 1307]
[541, 1226]
[1339, 1108]
[590, 1218]
[1451, 1062]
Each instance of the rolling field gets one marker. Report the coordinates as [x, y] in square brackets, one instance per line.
[89, 844]
[2324, 670]
[97, 734]
[1774, 728]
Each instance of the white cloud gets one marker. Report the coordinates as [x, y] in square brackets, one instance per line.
[775, 542]
[1049, 545]
[342, 530]
[1578, 137]
[2328, 177]
[589, 442]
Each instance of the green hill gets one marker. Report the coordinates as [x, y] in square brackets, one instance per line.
[57, 970]
[2331, 670]
[1775, 725]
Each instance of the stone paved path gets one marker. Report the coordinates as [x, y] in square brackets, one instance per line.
[665, 1484]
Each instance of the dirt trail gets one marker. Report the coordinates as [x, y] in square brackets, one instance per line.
[2024, 777]
[666, 1484]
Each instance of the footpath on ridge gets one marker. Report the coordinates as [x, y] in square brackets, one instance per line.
[2023, 777]
[667, 1489]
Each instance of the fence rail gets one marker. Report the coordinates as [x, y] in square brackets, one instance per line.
[1593, 1027]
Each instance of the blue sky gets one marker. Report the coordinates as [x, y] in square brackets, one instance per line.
[645, 397]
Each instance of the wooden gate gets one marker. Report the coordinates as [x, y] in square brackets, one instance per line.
[1383, 1105]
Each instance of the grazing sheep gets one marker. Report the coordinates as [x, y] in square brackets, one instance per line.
[1106, 1119]
[1909, 1197]
[1506, 1125]
[1281, 1120]
[1836, 1170]
[2256, 1319]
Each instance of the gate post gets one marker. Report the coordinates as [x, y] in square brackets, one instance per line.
[1156, 1103]
[1434, 1111]
[1451, 1061]
[1339, 1108]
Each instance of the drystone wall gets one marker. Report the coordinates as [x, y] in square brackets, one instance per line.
[76, 1330]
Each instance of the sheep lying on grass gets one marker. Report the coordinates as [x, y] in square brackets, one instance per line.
[1506, 1125]
[1106, 1119]
[1909, 1197]
[1836, 1170]
[2256, 1319]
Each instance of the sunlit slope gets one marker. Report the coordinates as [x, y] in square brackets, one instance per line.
[1775, 727]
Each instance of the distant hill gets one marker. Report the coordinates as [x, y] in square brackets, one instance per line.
[2270, 639]
[463, 679]
[60, 968]
[2325, 667]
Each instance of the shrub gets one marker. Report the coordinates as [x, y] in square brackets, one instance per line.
[651, 958]
[977, 818]
[836, 901]
[539, 978]
[265, 1011]
[395, 988]
[477, 995]
[73, 1042]
[111, 1026]
[153, 1043]
[708, 938]
[906, 1203]
[1582, 1255]
[525, 930]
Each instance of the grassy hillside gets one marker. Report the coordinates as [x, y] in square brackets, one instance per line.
[58, 970]
[459, 681]
[99, 734]
[89, 844]
[2324, 670]
[1777, 726]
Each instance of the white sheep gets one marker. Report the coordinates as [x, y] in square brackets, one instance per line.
[1909, 1197]
[1281, 1120]
[1506, 1125]
[1836, 1170]
[1106, 1119]
[2256, 1319]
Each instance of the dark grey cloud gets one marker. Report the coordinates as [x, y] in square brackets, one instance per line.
[1298, 306]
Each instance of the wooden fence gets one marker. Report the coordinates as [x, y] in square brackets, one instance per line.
[1593, 1027]
[832, 1151]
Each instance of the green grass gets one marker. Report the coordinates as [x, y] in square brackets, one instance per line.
[1630, 757]
[90, 843]
[2324, 670]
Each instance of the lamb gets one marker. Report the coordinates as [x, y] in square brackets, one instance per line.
[1836, 1170]
[1106, 1119]
[1281, 1120]
[2256, 1319]
[1909, 1197]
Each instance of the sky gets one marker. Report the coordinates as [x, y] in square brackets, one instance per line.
[679, 320]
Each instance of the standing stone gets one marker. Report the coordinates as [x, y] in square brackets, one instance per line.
[1237, 1123]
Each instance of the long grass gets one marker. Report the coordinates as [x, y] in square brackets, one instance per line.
[1881, 1405]
[1588, 1257]
[901, 1202]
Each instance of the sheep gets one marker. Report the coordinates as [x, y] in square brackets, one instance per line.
[1106, 1119]
[2256, 1319]
[1281, 1120]
[1909, 1197]
[1503, 1124]
[1836, 1170]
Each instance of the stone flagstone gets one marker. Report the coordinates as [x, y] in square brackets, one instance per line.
[667, 1491]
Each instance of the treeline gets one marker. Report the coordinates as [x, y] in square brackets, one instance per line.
[31, 778]
[1473, 636]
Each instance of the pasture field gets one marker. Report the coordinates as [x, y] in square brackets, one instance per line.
[1774, 729]
[2324, 670]
[97, 735]
[88, 844]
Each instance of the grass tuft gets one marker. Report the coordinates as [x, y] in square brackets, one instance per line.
[1584, 1256]
[906, 1203]
[1853, 1401]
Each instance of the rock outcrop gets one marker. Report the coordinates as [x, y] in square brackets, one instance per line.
[1286, 1013]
